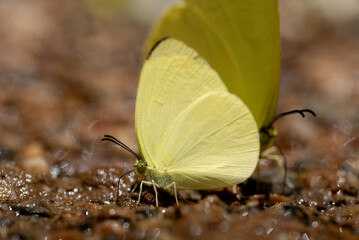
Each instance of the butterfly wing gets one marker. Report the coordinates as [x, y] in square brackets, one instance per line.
[189, 124]
[171, 79]
[239, 38]
[213, 143]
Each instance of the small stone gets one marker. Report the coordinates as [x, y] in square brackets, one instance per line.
[32, 150]
[33, 207]
[32, 159]
[36, 164]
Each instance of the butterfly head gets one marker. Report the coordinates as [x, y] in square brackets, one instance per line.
[268, 136]
[140, 167]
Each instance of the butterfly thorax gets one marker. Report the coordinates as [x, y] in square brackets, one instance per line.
[161, 177]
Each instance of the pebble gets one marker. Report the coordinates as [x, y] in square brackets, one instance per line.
[32, 159]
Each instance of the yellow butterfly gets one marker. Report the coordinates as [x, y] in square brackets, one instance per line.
[192, 133]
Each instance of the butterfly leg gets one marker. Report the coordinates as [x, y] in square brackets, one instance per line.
[154, 188]
[234, 189]
[173, 184]
[148, 184]
[272, 154]
[134, 188]
[140, 193]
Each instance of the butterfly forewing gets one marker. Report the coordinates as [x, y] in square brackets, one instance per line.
[171, 79]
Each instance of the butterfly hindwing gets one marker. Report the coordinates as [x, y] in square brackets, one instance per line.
[214, 138]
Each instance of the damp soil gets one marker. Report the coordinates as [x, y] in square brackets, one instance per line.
[68, 75]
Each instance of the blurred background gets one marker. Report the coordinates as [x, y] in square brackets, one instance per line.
[69, 73]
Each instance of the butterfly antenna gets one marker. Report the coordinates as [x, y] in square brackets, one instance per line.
[285, 167]
[118, 184]
[301, 112]
[121, 144]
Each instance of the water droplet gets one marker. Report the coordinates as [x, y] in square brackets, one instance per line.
[259, 231]
[142, 234]
[338, 219]
[340, 181]
[294, 235]
[269, 230]
[349, 141]
[305, 237]
[157, 232]
[314, 224]
[339, 193]
[54, 172]
[60, 154]
[112, 212]
[273, 222]
[126, 226]
[87, 153]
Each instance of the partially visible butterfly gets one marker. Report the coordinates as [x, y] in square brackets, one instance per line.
[240, 39]
[192, 133]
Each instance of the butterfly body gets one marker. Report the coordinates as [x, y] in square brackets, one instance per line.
[160, 176]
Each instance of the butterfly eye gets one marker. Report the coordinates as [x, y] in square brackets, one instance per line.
[141, 167]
